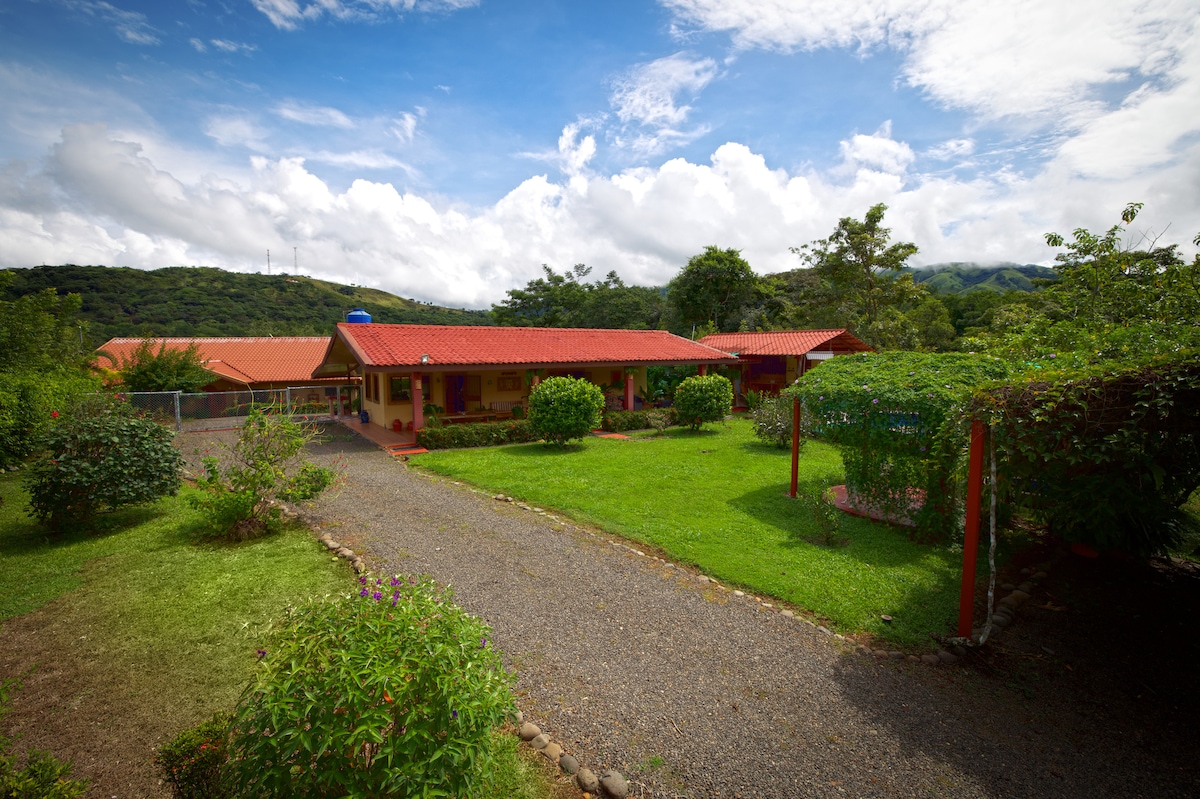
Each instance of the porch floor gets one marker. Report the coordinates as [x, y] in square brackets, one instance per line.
[381, 436]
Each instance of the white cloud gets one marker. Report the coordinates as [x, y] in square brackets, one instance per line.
[646, 98]
[404, 127]
[126, 208]
[954, 148]
[288, 14]
[319, 116]
[198, 45]
[227, 46]
[236, 131]
[132, 26]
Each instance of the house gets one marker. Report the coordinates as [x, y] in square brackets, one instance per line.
[241, 363]
[770, 361]
[480, 373]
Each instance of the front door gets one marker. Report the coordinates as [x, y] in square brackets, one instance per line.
[456, 399]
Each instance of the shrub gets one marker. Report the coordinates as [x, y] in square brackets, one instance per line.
[27, 402]
[563, 408]
[818, 505]
[100, 458]
[392, 691]
[480, 434]
[239, 496]
[192, 761]
[773, 418]
[702, 399]
[650, 418]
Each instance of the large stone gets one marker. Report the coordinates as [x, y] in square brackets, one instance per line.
[540, 741]
[1026, 587]
[1000, 620]
[587, 781]
[1019, 595]
[569, 764]
[945, 656]
[529, 731]
[931, 660]
[332, 545]
[614, 785]
[552, 751]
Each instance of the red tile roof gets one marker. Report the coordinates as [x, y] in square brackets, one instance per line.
[282, 359]
[403, 345]
[787, 342]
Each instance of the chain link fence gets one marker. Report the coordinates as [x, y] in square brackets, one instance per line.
[218, 409]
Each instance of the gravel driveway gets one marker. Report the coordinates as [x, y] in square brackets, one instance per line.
[691, 691]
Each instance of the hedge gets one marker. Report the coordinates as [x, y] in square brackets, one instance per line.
[657, 418]
[480, 434]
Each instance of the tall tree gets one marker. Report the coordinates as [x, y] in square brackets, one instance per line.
[39, 332]
[714, 287]
[863, 272]
[165, 370]
[566, 301]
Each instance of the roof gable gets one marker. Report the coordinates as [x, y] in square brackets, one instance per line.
[265, 359]
[787, 342]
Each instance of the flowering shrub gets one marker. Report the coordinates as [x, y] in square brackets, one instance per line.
[264, 465]
[389, 691]
[191, 762]
[563, 408]
[772, 418]
[702, 399]
[100, 458]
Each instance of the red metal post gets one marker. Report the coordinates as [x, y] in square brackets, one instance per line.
[629, 391]
[966, 600]
[702, 369]
[795, 447]
[418, 401]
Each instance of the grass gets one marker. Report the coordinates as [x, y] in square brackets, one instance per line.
[177, 623]
[718, 499]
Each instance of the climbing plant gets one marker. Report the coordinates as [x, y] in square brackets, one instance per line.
[898, 420]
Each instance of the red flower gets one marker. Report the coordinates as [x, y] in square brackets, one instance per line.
[53, 414]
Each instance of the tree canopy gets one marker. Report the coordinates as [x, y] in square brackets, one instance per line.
[164, 370]
[713, 288]
[566, 301]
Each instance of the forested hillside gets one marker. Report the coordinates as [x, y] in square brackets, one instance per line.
[960, 278]
[204, 301]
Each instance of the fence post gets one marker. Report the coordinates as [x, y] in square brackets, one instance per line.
[795, 447]
[966, 599]
[178, 414]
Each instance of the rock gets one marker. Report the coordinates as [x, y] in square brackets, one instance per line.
[1040, 576]
[880, 653]
[331, 544]
[1026, 587]
[569, 764]
[702, 578]
[537, 510]
[823, 629]
[552, 751]
[945, 656]
[1019, 595]
[614, 785]
[1006, 587]
[960, 651]
[739, 593]
[913, 659]
[346, 553]
[1001, 620]
[1025, 571]
[587, 781]
[499, 497]
[540, 741]
[1008, 602]
[896, 655]
[518, 717]
[359, 567]
[787, 613]
[886, 619]
[528, 731]
[930, 660]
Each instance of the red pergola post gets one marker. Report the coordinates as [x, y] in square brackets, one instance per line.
[966, 600]
[629, 391]
[795, 447]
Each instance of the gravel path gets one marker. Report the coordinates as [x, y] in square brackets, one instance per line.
[690, 691]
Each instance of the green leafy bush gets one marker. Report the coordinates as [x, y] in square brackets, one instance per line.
[702, 399]
[480, 434]
[649, 418]
[773, 417]
[98, 458]
[192, 761]
[167, 369]
[239, 493]
[27, 404]
[42, 777]
[563, 408]
[818, 504]
[392, 691]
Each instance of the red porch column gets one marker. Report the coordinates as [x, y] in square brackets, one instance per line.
[418, 402]
[628, 390]
[966, 599]
[703, 369]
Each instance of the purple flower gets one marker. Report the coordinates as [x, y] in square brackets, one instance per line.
[875, 401]
[362, 580]
[262, 653]
[482, 643]
[1053, 355]
[453, 714]
[379, 582]
[377, 596]
[393, 582]
[363, 592]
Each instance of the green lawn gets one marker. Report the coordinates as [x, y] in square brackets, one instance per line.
[180, 621]
[718, 499]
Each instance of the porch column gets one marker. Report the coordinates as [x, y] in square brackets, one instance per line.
[418, 401]
[703, 369]
[628, 390]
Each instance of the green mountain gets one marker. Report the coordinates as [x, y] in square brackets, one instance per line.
[204, 301]
[961, 278]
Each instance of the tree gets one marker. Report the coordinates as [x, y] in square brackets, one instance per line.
[862, 271]
[565, 301]
[165, 370]
[39, 332]
[713, 287]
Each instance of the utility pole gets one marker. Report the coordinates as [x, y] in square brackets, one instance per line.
[268, 262]
[295, 261]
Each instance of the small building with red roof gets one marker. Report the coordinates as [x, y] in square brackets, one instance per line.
[769, 361]
[479, 373]
[238, 364]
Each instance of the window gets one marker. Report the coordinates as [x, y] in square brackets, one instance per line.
[400, 389]
[509, 381]
[473, 390]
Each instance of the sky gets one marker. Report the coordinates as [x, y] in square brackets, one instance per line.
[444, 150]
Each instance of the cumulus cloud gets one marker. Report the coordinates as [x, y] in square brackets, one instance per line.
[289, 14]
[318, 116]
[954, 148]
[125, 208]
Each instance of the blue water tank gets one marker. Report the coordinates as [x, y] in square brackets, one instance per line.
[358, 316]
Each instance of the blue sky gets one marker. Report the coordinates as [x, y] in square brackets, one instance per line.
[445, 149]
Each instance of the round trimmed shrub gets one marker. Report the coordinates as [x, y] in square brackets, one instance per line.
[563, 408]
[703, 398]
[391, 691]
[100, 460]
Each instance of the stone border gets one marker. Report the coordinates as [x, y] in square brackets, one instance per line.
[610, 783]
